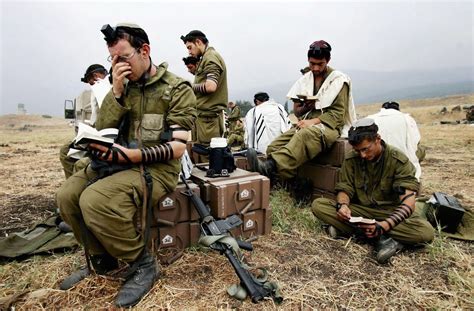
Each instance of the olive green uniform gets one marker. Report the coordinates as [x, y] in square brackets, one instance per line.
[233, 117]
[66, 162]
[210, 122]
[371, 187]
[236, 136]
[297, 146]
[109, 205]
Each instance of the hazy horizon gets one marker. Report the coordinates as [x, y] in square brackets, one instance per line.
[47, 45]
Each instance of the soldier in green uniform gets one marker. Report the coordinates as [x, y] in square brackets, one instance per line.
[236, 135]
[234, 115]
[93, 73]
[377, 182]
[210, 88]
[323, 104]
[153, 101]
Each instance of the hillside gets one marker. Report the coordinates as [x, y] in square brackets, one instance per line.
[313, 270]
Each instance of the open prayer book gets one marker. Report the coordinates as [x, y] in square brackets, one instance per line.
[303, 97]
[87, 134]
[361, 220]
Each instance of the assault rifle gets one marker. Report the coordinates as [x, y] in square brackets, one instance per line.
[212, 227]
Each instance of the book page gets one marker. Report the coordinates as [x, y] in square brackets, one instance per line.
[361, 220]
[100, 88]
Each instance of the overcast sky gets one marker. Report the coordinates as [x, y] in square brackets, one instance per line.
[47, 45]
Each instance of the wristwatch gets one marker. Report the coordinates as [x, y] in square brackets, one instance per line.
[339, 205]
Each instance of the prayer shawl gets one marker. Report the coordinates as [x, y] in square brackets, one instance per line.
[326, 94]
[264, 123]
[399, 130]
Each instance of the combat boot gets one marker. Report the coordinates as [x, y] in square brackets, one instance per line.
[144, 273]
[266, 168]
[101, 264]
[387, 247]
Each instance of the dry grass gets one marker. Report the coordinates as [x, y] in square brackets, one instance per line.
[313, 270]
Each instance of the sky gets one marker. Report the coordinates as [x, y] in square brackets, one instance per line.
[46, 46]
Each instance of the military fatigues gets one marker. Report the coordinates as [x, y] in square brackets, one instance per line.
[66, 162]
[297, 146]
[233, 117]
[371, 189]
[209, 122]
[236, 136]
[109, 205]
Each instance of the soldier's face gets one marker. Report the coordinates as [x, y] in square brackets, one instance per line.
[317, 66]
[193, 49]
[135, 58]
[369, 150]
[191, 68]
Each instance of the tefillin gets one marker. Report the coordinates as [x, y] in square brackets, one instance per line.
[109, 33]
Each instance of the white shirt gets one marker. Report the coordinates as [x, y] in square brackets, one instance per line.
[399, 129]
[264, 123]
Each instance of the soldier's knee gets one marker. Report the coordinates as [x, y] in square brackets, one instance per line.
[92, 203]
[321, 206]
[426, 234]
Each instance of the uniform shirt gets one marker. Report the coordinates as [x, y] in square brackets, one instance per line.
[165, 100]
[264, 123]
[211, 65]
[375, 184]
[234, 114]
[399, 130]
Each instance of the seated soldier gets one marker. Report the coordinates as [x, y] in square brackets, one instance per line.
[377, 182]
[325, 109]
[236, 135]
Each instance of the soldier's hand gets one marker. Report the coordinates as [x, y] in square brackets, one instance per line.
[121, 70]
[371, 231]
[344, 213]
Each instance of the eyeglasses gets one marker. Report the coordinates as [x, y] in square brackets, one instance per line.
[122, 58]
[365, 149]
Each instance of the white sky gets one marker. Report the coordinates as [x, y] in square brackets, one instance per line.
[47, 45]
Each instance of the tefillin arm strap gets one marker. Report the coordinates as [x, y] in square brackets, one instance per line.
[401, 213]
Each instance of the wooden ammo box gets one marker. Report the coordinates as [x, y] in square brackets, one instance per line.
[323, 177]
[177, 237]
[241, 161]
[175, 207]
[254, 223]
[335, 155]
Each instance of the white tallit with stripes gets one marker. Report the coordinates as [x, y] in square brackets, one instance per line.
[264, 123]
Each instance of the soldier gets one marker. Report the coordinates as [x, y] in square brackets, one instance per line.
[101, 212]
[236, 135]
[93, 74]
[210, 88]
[191, 63]
[376, 181]
[399, 130]
[323, 104]
[265, 122]
[234, 115]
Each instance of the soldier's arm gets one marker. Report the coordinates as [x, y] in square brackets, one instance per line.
[333, 116]
[345, 188]
[213, 73]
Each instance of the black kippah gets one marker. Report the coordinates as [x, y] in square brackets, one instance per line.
[391, 105]
[261, 96]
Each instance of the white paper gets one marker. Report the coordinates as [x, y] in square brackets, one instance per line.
[100, 88]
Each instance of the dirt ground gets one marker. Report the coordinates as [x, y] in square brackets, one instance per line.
[313, 270]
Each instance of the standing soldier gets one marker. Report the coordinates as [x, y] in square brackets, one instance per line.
[210, 88]
[234, 115]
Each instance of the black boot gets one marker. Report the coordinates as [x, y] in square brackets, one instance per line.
[101, 264]
[386, 247]
[145, 272]
[266, 168]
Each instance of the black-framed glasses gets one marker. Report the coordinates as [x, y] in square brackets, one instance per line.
[122, 58]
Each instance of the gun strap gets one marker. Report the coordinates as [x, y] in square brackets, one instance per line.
[208, 240]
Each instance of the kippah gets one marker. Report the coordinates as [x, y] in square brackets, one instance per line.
[391, 105]
[193, 34]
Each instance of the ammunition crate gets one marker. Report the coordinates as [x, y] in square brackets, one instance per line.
[254, 223]
[335, 155]
[323, 177]
[177, 237]
[176, 207]
[241, 161]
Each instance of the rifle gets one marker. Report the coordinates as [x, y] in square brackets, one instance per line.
[212, 227]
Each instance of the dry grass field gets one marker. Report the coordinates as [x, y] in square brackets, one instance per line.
[313, 270]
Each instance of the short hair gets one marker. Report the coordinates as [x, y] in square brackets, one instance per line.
[391, 105]
[190, 60]
[363, 129]
[93, 69]
[194, 35]
[133, 33]
[320, 49]
[260, 96]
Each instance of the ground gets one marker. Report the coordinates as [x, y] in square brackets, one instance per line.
[313, 270]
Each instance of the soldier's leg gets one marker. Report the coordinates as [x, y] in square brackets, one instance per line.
[325, 210]
[66, 162]
[280, 141]
[207, 128]
[302, 147]
[67, 199]
[109, 207]
[81, 164]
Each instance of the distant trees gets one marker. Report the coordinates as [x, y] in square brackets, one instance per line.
[244, 105]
